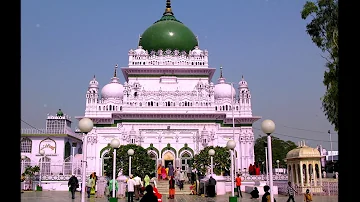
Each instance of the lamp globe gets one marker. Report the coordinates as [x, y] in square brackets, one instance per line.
[41, 152]
[211, 152]
[231, 144]
[268, 126]
[115, 143]
[23, 157]
[130, 152]
[85, 125]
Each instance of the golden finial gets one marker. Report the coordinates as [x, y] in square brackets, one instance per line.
[221, 72]
[168, 10]
[115, 72]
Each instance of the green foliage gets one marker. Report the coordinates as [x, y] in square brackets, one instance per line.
[323, 30]
[141, 163]
[221, 160]
[279, 149]
[30, 173]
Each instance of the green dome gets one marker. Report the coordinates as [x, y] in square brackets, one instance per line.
[59, 113]
[168, 33]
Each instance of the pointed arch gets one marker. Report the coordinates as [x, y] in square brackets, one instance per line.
[107, 148]
[42, 145]
[168, 147]
[67, 151]
[187, 148]
[151, 147]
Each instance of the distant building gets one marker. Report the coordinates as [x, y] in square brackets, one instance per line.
[58, 141]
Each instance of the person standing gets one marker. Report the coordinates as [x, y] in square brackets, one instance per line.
[211, 187]
[291, 192]
[90, 183]
[171, 188]
[171, 170]
[73, 183]
[130, 188]
[111, 182]
[146, 181]
[238, 185]
[159, 171]
[307, 196]
[138, 183]
[150, 195]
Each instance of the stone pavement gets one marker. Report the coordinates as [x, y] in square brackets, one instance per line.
[62, 196]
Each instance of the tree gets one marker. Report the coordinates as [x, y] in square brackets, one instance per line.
[221, 160]
[323, 30]
[279, 149]
[141, 163]
[30, 174]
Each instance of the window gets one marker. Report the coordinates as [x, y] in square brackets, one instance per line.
[25, 145]
[45, 165]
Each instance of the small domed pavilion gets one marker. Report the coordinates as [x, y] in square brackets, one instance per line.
[304, 168]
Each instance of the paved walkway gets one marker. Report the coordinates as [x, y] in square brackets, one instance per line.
[62, 196]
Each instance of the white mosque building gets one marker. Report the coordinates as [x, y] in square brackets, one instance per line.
[167, 102]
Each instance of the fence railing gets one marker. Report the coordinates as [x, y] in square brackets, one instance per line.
[277, 177]
[55, 168]
[328, 188]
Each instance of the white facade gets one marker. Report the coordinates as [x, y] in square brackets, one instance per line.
[57, 140]
[169, 106]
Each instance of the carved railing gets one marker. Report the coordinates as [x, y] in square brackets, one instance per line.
[278, 177]
[329, 188]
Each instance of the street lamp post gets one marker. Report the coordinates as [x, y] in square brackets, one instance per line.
[23, 157]
[263, 167]
[268, 127]
[73, 157]
[266, 160]
[277, 161]
[85, 126]
[130, 152]
[115, 143]
[42, 154]
[231, 144]
[211, 154]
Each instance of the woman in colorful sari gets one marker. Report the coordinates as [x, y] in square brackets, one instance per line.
[163, 173]
[159, 171]
[171, 188]
[146, 180]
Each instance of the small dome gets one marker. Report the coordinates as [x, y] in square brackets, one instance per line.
[168, 33]
[223, 90]
[93, 83]
[196, 51]
[243, 83]
[113, 90]
[303, 151]
[59, 113]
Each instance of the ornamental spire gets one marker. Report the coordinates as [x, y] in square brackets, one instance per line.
[115, 72]
[168, 10]
[221, 72]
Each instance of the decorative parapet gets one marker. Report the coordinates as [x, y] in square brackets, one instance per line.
[64, 117]
[141, 58]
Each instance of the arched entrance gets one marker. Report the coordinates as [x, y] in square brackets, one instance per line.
[104, 157]
[168, 157]
[152, 154]
[185, 158]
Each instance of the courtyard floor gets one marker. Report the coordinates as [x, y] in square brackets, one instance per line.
[62, 196]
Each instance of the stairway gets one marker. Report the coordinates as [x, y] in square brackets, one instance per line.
[163, 188]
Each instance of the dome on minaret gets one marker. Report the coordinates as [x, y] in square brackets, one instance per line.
[168, 33]
[243, 83]
[223, 89]
[93, 83]
[114, 89]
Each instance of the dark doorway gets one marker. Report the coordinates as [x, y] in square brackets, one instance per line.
[167, 162]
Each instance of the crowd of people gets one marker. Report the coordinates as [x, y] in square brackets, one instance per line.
[254, 169]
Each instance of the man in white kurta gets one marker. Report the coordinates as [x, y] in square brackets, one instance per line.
[131, 188]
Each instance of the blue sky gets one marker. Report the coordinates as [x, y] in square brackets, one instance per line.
[64, 43]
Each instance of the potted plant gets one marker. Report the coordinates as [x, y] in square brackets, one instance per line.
[29, 174]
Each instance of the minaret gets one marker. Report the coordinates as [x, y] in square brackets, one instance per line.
[244, 97]
[92, 95]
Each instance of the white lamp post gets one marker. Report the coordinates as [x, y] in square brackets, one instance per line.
[268, 127]
[231, 144]
[266, 161]
[23, 157]
[277, 161]
[211, 154]
[85, 126]
[130, 153]
[42, 153]
[115, 143]
[263, 168]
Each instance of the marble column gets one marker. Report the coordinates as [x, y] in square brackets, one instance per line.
[301, 175]
[307, 175]
[296, 171]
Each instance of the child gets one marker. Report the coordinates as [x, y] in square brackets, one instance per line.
[307, 196]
